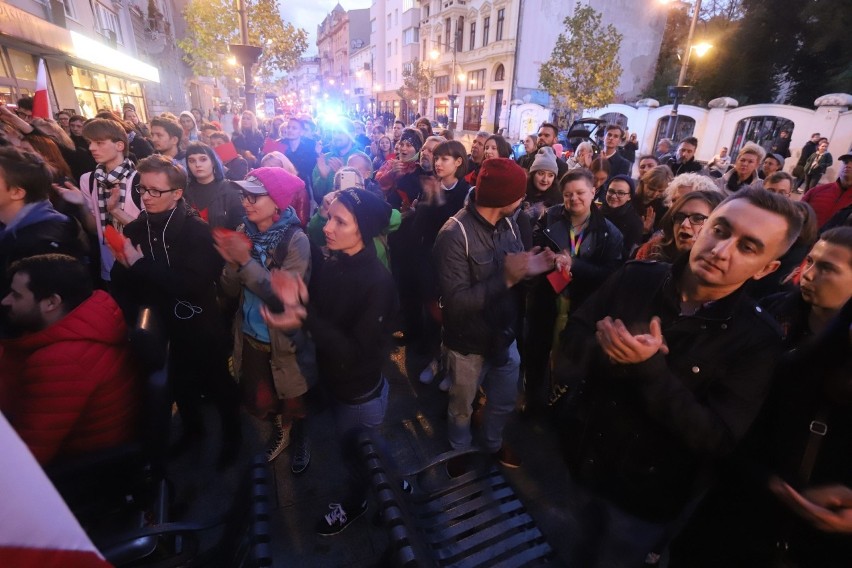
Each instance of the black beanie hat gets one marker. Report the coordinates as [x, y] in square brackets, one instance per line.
[413, 137]
[625, 178]
[370, 211]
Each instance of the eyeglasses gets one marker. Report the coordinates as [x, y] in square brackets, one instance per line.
[153, 192]
[617, 193]
[694, 218]
[251, 198]
[23, 114]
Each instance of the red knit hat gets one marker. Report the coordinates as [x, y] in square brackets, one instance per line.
[501, 182]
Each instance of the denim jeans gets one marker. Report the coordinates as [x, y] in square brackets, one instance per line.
[350, 420]
[500, 384]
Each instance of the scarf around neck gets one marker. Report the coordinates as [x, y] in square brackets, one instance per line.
[105, 181]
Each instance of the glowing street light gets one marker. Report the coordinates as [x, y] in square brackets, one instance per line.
[702, 48]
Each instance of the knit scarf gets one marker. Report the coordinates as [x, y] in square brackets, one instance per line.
[264, 244]
[105, 181]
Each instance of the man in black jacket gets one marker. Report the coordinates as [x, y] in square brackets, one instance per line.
[685, 162]
[479, 257]
[617, 164]
[666, 368]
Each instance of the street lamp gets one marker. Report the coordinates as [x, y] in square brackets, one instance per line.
[434, 54]
[676, 92]
[247, 55]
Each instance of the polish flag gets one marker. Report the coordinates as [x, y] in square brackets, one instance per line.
[36, 526]
[41, 102]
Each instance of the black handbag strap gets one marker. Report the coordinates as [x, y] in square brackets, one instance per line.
[818, 428]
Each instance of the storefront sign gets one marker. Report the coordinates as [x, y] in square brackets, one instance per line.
[104, 56]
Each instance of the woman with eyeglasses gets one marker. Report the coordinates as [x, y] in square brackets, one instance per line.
[618, 209]
[680, 225]
[266, 363]
[216, 198]
[169, 263]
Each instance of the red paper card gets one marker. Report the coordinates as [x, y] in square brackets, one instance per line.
[271, 145]
[115, 242]
[559, 279]
[226, 152]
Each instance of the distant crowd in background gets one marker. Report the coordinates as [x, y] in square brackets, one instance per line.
[686, 325]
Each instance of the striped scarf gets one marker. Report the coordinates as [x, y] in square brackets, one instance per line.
[106, 181]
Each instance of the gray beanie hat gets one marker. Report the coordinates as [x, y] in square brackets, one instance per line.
[545, 159]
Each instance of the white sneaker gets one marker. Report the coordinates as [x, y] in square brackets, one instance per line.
[446, 383]
[428, 374]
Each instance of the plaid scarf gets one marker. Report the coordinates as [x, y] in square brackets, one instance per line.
[106, 181]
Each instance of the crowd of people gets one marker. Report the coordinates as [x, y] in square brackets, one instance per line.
[688, 330]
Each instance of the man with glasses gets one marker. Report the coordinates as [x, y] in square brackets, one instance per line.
[780, 183]
[25, 109]
[169, 262]
[617, 164]
[63, 118]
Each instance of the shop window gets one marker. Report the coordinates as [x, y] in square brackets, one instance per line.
[473, 112]
[23, 65]
[685, 127]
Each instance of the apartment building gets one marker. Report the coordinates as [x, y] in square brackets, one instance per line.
[339, 35]
[99, 54]
[395, 37]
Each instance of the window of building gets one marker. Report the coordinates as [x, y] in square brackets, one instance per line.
[407, 5]
[407, 67]
[396, 47]
[426, 11]
[396, 17]
[473, 107]
[476, 80]
[447, 32]
[390, 22]
[108, 23]
[388, 78]
[98, 91]
[486, 26]
[500, 17]
[390, 49]
[472, 35]
[411, 35]
[500, 73]
[442, 84]
[372, 26]
[70, 10]
[438, 43]
[457, 39]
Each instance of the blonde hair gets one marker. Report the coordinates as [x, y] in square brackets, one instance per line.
[698, 182]
[283, 162]
[752, 148]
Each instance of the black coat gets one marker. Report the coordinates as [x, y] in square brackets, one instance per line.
[646, 436]
[178, 276]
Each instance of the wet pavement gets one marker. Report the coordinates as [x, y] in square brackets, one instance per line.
[415, 431]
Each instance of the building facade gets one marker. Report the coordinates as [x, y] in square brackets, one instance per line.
[395, 37]
[471, 48]
[93, 52]
[340, 34]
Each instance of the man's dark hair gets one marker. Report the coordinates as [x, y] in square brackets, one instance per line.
[58, 274]
[77, 118]
[157, 164]
[399, 122]
[173, 128]
[615, 127]
[65, 112]
[26, 103]
[778, 177]
[219, 135]
[777, 204]
[551, 126]
[208, 126]
[648, 157]
[840, 236]
[379, 128]
[690, 140]
[27, 171]
[576, 175]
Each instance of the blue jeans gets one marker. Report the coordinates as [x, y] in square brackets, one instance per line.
[350, 420]
[500, 383]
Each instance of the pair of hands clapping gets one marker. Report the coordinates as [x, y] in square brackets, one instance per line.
[293, 293]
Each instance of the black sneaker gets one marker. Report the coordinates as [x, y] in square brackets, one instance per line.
[301, 455]
[279, 441]
[339, 517]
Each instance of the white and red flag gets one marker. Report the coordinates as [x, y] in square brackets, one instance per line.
[36, 526]
[41, 101]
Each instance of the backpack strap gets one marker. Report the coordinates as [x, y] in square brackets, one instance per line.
[464, 234]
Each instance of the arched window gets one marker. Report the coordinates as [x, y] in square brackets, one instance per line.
[500, 73]
[685, 128]
[763, 130]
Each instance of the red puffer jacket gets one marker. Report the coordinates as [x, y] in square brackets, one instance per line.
[72, 388]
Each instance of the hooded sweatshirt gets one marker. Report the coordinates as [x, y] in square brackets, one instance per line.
[217, 202]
